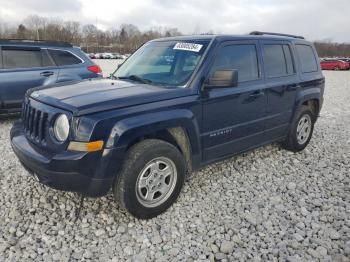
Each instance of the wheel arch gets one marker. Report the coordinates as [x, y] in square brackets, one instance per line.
[313, 104]
[310, 97]
[178, 127]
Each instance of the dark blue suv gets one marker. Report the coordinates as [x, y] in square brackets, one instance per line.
[25, 64]
[177, 104]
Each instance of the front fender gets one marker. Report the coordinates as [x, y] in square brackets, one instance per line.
[127, 130]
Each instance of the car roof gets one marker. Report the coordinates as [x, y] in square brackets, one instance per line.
[226, 37]
[34, 43]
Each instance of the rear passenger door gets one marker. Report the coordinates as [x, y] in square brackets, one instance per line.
[282, 84]
[233, 117]
[23, 68]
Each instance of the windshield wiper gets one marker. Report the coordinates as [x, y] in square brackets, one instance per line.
[136, 78]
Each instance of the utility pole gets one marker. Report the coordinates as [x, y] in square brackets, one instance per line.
[1, 24]
[97, 35]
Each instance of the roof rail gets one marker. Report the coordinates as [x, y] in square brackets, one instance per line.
[36, 42]
[277, 34]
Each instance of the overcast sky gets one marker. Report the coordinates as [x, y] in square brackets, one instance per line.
[315, 19]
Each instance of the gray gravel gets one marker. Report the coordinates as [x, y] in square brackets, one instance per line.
[266, 205]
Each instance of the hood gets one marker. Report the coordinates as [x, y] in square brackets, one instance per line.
[90, 96]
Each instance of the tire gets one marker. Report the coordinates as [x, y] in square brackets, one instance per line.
[297, 140]
[336, 68]
[149, 166]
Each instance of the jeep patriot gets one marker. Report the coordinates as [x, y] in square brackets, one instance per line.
[176, 105]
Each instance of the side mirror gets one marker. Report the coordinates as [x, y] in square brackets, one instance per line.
[223, 78]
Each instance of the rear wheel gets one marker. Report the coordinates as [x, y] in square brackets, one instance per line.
[301, 130]
[151, 178]
[336, 68]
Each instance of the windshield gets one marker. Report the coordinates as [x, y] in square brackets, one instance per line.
[164, 63]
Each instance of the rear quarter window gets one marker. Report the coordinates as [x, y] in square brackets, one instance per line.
[62, 57]
[307, 58]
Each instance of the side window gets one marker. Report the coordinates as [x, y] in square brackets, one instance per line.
[62, 58]
[15, 58]
[307, 58]
[278, 60]
[47, 61]
[240, 57]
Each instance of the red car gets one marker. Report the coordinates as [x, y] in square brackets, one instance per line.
[345, 60]
[334, 65]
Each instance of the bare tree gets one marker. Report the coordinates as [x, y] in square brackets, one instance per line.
[37, 25]
[123, 39]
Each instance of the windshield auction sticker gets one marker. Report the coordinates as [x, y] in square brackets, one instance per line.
[188, 47]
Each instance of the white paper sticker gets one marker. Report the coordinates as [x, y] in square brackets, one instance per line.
[188, 47]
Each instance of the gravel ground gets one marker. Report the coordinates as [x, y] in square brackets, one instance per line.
[268, 204]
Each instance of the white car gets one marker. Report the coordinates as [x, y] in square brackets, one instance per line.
[108, 56]
[118, 56]
[98, 56]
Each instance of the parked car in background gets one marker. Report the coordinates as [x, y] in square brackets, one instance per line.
[118, 56]
[334, 64]
[108, 56]
[162, 114]
[91, 55]
[345, 59]
[98, 56]
[26, 64]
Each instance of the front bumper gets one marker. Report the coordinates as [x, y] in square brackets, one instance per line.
[87, 173]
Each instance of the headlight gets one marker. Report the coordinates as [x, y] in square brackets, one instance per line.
[61, 128]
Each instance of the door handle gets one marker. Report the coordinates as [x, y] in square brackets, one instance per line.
[294, 87]
[47, 73]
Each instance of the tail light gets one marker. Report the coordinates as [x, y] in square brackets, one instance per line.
[95, 69]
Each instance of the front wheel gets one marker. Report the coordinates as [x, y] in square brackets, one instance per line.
[151, 178]
[301, 130]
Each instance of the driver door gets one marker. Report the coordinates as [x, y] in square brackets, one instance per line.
[234, 117]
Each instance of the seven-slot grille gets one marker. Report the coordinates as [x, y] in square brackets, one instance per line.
[35, 123]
